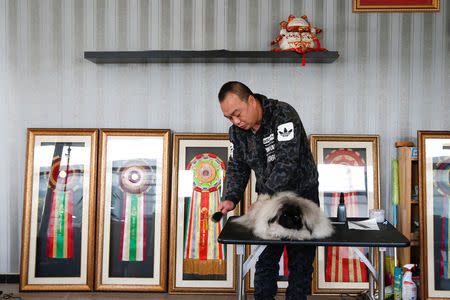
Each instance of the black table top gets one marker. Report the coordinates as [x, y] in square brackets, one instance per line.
[387, 236]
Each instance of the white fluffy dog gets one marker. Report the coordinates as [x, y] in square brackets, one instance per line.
[286, 215]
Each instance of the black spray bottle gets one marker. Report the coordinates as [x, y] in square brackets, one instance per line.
[341, 211]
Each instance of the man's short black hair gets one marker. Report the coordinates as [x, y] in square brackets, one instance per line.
[237, 88]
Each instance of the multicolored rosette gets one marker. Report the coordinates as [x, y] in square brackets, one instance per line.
[442, 176]
[201, 234]
[136, 179]
[343, 265]
[63, 181]
[347, 157]
[441, 181]
[209, 172]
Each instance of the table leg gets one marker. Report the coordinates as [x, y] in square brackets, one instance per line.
[371, 279]
[381, 251]
[251, 260]
[240, 250]
[373, 274]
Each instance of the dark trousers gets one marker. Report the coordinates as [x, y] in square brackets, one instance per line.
[300, 264]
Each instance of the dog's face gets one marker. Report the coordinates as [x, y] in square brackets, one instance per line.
[289, 216]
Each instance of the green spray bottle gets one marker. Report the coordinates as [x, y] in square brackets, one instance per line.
[397, 283]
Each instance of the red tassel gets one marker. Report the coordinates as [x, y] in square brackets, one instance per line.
[301, 51]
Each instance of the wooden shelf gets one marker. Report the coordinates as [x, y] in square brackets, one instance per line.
[408, 213]
[208, 56]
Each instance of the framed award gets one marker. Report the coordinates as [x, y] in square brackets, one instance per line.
[198, 263]
[347, 164]
[434, 207]
[59, 210]
[132, 210]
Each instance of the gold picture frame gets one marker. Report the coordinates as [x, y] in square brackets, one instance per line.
[434, 202]
[59, 210]
[395, 6]
[347, 164]
[197, 266]
[132, 215]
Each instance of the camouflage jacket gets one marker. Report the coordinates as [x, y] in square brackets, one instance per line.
[279, 153]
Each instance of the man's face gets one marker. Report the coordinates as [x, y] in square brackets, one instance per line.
[240, 113]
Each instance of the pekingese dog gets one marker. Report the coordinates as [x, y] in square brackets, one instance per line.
[286, 215]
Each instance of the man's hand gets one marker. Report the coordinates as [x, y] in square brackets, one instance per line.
[225, 206]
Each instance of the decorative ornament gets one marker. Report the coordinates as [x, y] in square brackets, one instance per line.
[298, 35]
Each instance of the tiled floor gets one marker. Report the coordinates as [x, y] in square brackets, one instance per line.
[14, 289]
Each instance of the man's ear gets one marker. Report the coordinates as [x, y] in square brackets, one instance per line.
[251, 100]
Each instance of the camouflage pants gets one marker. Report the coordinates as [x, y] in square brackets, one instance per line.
[300, 264]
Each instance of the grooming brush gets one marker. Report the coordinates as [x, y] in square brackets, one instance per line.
[216, 217]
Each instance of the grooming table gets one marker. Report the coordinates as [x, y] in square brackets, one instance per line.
[387, 236]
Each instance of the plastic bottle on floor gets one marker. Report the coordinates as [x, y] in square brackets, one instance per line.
[409, 288]
[397, 283]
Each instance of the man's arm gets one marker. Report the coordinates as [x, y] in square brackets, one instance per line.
[289, 131]
[237, 175]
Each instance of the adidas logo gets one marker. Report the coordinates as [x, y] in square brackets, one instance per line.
[285, 133]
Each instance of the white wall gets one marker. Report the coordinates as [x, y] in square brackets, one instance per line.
[391, 79]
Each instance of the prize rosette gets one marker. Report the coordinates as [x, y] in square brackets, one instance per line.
[346, 157]
[442, 176]
[202, 252]
[342, 265]
[441, 181]
[136, 179]
[208, 172]
[63, 181]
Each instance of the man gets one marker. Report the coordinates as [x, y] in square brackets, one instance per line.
[267, 136]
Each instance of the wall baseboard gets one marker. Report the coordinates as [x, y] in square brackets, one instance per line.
[9, 278]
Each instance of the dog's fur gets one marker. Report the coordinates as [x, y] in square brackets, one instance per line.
[285, 215]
